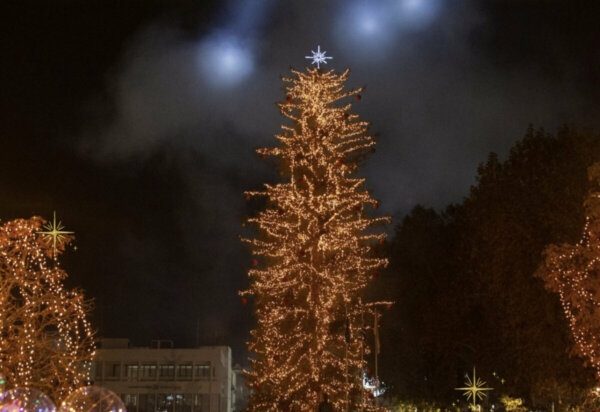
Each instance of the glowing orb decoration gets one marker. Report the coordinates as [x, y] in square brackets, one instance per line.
[25, 400]
[225, 60]
[92, 399]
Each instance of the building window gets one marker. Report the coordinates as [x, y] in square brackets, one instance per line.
[99, 369]
[203, 370]
[130, 401]
[113, 370]
[146, 403]
[184, 371]
[183, 402]
[131, 371]
[167, 372]
[148, 371]
[164, 402]
[201, 403]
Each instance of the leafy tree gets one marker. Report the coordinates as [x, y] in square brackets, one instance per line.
[573, 272]
[464, 282]
[419, 339]
[45, 339]
[515, 208]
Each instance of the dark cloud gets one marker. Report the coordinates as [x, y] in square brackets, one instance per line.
[438, 100]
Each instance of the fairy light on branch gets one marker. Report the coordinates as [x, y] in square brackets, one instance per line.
[47, 341]
[313, 254]
[572, 271]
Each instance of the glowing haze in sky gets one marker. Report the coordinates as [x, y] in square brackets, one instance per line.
[228, 52]
[225, 60]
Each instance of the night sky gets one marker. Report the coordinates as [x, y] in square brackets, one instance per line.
[136, 122]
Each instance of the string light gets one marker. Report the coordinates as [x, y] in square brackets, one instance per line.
[572, 272]
[46, 340]
[314, 255]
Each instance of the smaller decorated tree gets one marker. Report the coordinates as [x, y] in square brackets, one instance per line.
[573, 271]
[46, 341]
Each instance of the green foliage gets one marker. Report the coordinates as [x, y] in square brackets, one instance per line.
[464, 283]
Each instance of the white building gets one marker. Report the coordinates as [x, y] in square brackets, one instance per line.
[162, 378]
[241, 391]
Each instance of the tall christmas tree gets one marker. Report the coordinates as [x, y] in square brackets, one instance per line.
[573, 271]
[45, 339]
[314, 254]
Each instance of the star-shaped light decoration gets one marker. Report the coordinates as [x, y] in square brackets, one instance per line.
[474, 389]
[54, 233]
[318, 57]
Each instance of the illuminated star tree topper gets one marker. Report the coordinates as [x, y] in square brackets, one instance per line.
[318, 57]
[474, 388]
[54, 233]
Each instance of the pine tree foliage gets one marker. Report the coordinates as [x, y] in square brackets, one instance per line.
[315, 255]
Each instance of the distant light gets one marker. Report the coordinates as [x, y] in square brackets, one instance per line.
[417, 13]
[372, 385]
[365, 29]
[412, 4]
[367, 18]
[368, 23]
[225, 60]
